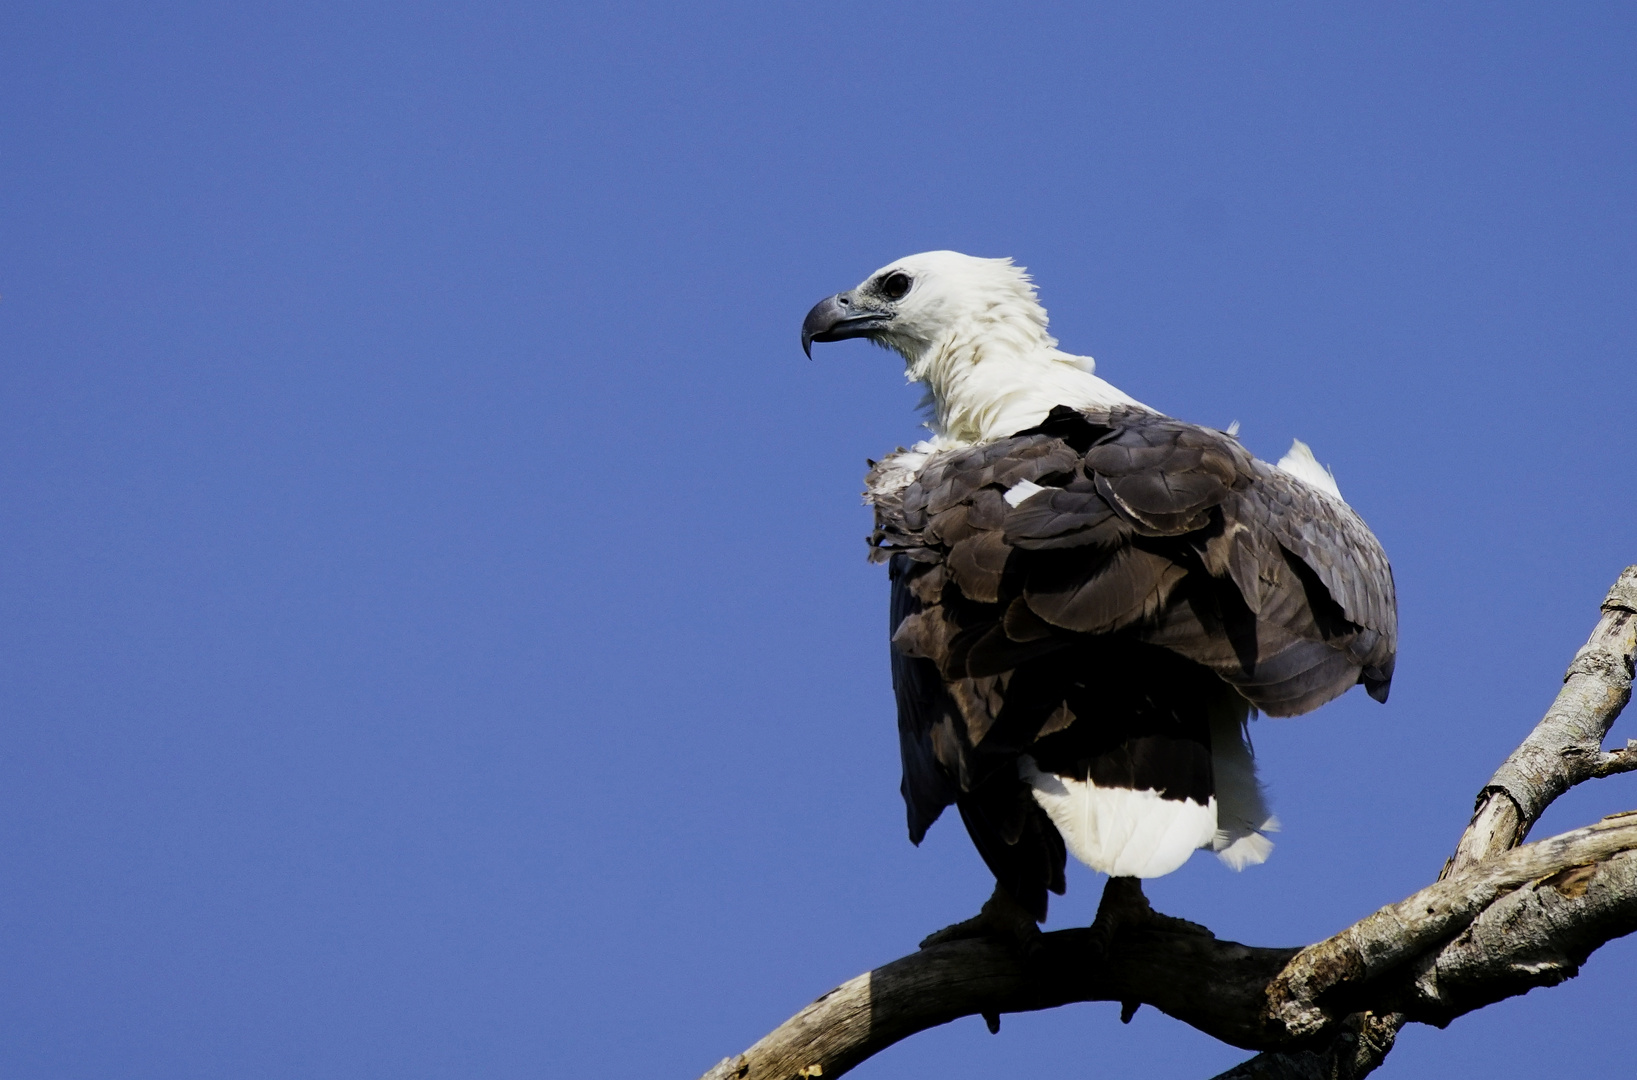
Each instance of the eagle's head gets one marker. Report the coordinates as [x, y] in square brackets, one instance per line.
[918, 305]
[972, 332]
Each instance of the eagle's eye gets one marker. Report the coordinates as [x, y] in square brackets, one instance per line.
[895, 285]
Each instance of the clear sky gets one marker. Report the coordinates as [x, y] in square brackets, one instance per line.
[435, 633]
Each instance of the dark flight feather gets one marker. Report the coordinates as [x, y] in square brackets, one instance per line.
[1163, 572]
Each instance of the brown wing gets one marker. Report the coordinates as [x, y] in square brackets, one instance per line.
[1149, 532]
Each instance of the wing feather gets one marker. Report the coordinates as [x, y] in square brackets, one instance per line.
[1152, 527]
[1148, 530]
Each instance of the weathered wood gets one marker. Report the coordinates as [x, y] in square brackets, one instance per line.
[1457, 945]
[1214, 985]
[1596, 688]
[1363, 1040]
[1566, 747]
[1538, 935]
[1502, 920]
[1412, 928]
[1618, 761]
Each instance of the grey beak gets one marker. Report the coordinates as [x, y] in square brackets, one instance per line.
[837, 318]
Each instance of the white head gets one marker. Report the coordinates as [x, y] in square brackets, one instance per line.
[919, 305]
[973, 331]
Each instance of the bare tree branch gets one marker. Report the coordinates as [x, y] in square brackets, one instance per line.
[1499, 923]
[1617, 761]
[1300, 999]
[1362, 1043]
[1566, 747]
[1596, 688]
[1534, 936]
[1525, 919]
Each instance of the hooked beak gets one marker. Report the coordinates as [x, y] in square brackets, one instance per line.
[839, 317]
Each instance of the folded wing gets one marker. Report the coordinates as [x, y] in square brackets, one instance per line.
[1126, 527]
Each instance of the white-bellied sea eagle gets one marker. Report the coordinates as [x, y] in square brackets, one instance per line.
[1090, 598]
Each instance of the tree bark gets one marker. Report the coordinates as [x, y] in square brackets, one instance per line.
[1502, 920]
[1566, 747]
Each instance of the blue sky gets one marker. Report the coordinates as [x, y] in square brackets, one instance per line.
[435, 634]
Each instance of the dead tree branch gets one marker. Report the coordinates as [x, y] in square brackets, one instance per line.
[1566, 747]
[1502, 920]
[1563, 750]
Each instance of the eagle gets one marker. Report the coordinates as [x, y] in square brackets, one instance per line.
[1090, 598]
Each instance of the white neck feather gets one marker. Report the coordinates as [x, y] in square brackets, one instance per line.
[998, 372]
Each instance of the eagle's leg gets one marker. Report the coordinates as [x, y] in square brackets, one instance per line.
[1124, 907]
[1000, 919]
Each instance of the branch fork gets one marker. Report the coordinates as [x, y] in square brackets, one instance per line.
[1501, 920]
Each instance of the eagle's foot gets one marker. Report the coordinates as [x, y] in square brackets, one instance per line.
[1001, 919]
[1124, 908]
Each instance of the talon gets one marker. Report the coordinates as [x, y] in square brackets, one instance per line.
[1001, 919]
[1123, 905]
[1123, 908]
[993, 1020]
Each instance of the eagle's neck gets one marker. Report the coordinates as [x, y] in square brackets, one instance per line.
[990, 376]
